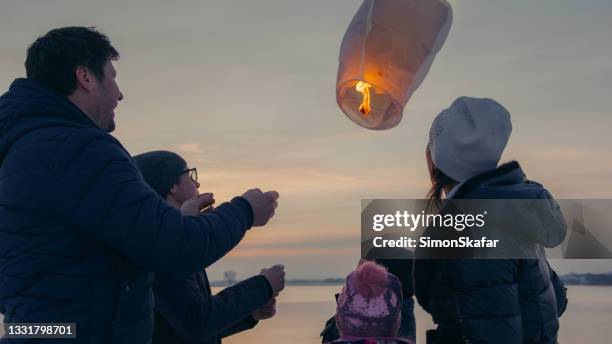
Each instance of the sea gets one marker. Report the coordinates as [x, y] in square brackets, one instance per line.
[303, 310]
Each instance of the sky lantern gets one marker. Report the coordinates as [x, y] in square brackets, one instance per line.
[386, 53]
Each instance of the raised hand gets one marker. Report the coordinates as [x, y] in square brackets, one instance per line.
[194, 206]
[263, 204]
[276, 277]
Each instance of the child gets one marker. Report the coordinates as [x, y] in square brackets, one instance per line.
[369, 307]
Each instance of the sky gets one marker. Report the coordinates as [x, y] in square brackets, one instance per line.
[245, 91]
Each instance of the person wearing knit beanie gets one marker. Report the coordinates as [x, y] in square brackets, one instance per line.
[492, 300]
[186, 311]
[369, 306]
[469, 137]
[161, 169]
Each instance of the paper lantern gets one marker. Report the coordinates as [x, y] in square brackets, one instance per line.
[386, 53]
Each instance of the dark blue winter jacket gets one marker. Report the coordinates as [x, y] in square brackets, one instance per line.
[509, 301]
[80, 230]
[187, 312]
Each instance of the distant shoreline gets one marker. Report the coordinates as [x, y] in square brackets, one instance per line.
[292, 282]
[588, 279]
[569, 279]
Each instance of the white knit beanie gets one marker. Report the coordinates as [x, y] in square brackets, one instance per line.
[468, 138]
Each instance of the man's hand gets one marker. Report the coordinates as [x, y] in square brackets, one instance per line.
[276, 277]
[194, 206]
[266, 312]
[263, 205]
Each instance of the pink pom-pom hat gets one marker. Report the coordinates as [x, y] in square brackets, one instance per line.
[370, 303]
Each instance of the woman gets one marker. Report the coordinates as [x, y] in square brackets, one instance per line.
[186, 311]
[488, 300]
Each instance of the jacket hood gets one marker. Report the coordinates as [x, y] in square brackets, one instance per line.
[28, 105]
[531, 212]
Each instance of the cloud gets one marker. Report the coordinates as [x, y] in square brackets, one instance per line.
[189, 148]
[248, 99]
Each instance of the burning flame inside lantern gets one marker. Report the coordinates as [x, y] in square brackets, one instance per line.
[364, 88]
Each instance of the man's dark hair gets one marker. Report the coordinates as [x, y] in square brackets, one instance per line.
[53, 58]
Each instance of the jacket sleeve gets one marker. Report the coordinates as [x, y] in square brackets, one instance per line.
[197, 316]
[100, 192]
[487, 299]
[560, 291]
[245, 324]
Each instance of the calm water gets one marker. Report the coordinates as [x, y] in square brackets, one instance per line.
[302, 311]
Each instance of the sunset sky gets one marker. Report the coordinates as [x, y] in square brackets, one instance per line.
[245, 91]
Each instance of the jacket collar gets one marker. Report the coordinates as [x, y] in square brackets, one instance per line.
[507, 174]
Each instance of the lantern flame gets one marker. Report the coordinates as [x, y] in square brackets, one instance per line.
[364, 89]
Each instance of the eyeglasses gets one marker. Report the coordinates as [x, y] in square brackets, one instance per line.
[193, 174]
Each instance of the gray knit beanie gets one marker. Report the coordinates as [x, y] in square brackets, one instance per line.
[161, 169]
[469, 137]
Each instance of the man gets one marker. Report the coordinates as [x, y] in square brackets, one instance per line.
[80, 230]
[186, 311]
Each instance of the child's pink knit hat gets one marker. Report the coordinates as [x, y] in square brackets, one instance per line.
[370, 303]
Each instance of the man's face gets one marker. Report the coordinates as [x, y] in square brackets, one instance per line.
[107, 96]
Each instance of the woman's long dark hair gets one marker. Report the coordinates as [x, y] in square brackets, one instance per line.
[435, 195]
